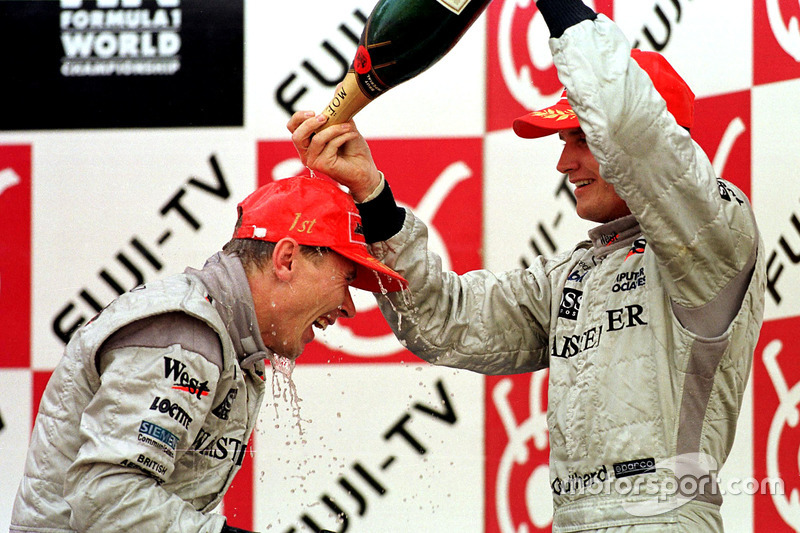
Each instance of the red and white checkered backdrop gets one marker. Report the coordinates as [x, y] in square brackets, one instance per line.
[375, 440]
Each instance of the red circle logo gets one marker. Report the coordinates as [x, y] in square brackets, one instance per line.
[362, 63]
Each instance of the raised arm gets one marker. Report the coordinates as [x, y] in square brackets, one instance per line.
[493, 324]
[702, 229]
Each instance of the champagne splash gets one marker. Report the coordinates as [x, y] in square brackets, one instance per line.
[282, 368]
[407, 301]
[284, 365]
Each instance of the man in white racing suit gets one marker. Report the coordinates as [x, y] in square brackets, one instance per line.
[648, 328]
[146, 420]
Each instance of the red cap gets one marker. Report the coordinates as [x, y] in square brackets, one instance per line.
[315, 212]
[675, 92]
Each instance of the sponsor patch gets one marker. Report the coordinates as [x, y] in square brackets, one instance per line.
[727, 193]
[219, 448]
[158, 433]
[629, 281]
[572, 345]
[151, 465]
[175, 411]
[635, 467]
[581, 269]
[223, 410]
[183, 381]
[637, 248]
[608, 240]
[356, 229]
[131, 464]
[578, 482]
[570, 303]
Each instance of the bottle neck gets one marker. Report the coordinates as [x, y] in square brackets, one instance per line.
[347, 101]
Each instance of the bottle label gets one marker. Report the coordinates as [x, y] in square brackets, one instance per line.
[371, 86]
[456, 6]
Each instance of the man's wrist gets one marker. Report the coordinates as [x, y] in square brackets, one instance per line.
[375, 191]
[381, 217]
[373, 187]
[562, 14]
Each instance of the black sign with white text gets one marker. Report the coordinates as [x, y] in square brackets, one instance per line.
[85, 64]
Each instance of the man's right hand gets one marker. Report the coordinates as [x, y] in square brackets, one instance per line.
[338, 151]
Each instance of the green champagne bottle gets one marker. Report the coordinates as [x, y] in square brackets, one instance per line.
[401, 39]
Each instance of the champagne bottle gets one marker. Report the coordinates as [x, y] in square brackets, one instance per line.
[401, 39]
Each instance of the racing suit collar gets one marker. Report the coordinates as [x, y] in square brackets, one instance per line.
[616, 234]
[226, 282]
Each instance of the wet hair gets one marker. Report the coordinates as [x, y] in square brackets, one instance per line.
[257, 254]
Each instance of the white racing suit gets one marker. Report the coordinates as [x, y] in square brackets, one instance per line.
[147, 417]
[648, 329]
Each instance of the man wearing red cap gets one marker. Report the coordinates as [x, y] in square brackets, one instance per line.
[648, 328]
[146, 419]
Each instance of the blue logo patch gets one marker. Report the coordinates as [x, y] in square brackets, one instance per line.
[158, 433]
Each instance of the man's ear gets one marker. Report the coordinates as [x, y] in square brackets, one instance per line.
[284, 258]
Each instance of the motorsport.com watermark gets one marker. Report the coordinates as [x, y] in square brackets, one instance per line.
[683, 478]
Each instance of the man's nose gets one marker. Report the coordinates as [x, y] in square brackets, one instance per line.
[566, 163]
[348, 308]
